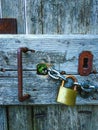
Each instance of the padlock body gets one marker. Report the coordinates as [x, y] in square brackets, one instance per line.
[67, 96]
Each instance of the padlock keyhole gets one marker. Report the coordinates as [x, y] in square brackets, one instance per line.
[85, 63]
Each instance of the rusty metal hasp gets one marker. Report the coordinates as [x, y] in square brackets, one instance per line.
[85, 63]
[21, 97]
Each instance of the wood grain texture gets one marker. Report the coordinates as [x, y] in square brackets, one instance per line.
[15, 9]
[34, 16]
[53, 17]
[20, 118]
[43, 16]
[94, 17]
[0, 10]
[42, 90]
[56, 17]
[50, 16]
[62, 17]
[60, 117]
[3, 118]
[63, 52]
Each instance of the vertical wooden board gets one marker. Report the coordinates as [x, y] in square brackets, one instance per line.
[74, 16]
[69, 17]
[15, 9]
[3, 118]
[50, 19]
[81, 13]
[61, 117]
[57, 18]
[85, 118]
[94, 121]
[34, 16]
[62, 17]
[0, 10]
[65, 16]
[53, 118]
[57, 117]
[20, 118]
[40, 118]
[94, 17]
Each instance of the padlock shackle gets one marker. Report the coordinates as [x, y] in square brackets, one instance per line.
[72, 77]
[63, 82]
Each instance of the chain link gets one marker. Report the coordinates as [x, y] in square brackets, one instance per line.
[86, 89]
[55, 74]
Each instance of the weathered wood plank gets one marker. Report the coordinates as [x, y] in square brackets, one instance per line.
[94, 17]
[60, 117]
[15, 9]
[34, 16]
[72, 16]
[94, 118]
[80, 16]
[50, 16]
[61, 51]
[0, 10]
[43, 90]
[62, 17]
[3, 118]
[69, 17]
[20, 118]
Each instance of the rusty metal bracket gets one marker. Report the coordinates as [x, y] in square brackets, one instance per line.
[21, 97]
[85, 63]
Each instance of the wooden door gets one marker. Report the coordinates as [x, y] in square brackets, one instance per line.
[46, 17]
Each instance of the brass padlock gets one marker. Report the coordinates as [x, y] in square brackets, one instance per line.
[67, 95]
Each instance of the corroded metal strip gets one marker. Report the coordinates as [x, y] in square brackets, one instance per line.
[21, 97]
